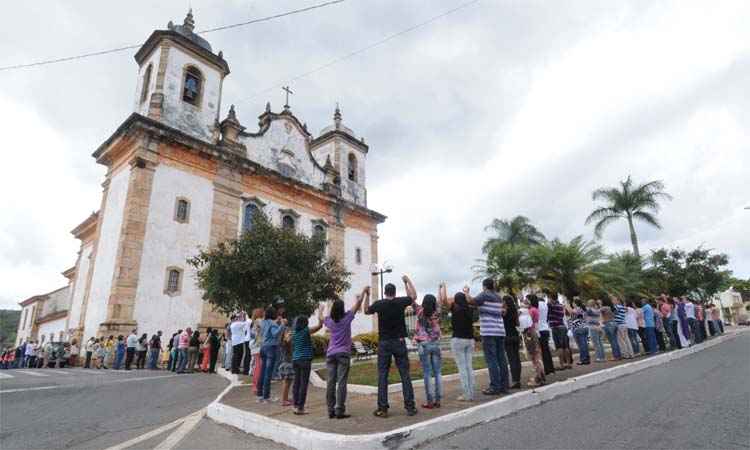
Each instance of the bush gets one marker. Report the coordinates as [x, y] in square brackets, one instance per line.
[369, 340]
[320, 344]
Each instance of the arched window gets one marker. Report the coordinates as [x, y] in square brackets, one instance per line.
[352, 167]
[192, 86]
[251, 209]
[182, 210]
[173, 284]
[288, 222]
[146, 82]
[319, 230]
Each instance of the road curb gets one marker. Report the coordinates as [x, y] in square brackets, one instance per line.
[412, 435]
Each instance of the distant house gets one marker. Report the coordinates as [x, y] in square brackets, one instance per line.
[44, 317]
[731, 306]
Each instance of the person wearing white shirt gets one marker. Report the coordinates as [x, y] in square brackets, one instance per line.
[130, 344]
[544, 333]
[690, 315]
[247, 337]
[237, 330]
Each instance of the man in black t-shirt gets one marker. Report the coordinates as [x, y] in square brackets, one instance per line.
[392, 334]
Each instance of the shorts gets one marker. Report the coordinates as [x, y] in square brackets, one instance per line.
[531, 342]
[560, 337]
[286, 371]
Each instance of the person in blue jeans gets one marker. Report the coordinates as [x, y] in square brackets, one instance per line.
[610, 330]
[428, 341]
[119, 352]
[580, 333]
[492, 330]
[271, 330]
[392, 344]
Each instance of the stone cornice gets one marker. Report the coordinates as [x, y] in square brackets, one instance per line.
[86, 228]
[52, 316]
[137, 123]
[69, 273]
[330, 135]
[159, 35]
[32, 299]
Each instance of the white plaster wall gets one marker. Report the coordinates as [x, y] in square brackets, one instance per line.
[53, 327]
[79, 286]
[23, 332]
[101, 280]
[196, 121]
[58, 300]
[360, 277]
[169, 243]
[142, 108]
[350, 190]
[283, 134]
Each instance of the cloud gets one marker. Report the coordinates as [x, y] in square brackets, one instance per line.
[500, 109]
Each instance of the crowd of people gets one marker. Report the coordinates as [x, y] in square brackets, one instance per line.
[265, 345]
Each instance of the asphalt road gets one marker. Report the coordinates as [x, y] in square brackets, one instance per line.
[86, 408]
[700, 401]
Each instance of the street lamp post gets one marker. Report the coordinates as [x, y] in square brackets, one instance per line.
[381, 271]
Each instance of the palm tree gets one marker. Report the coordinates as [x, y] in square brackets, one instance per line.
[630, 202]
[567, 267]
[517, 231]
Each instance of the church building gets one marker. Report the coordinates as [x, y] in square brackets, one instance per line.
[180, 176]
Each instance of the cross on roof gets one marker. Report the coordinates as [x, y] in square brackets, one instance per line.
[288, 91]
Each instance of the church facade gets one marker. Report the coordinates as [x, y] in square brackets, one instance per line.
[180, 177]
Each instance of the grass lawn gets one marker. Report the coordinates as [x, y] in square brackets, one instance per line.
[367, 372]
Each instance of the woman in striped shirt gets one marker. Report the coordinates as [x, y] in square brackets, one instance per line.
[302, 355]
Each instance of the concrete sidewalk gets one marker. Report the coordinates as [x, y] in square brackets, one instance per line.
[239, 408]
[362, 406]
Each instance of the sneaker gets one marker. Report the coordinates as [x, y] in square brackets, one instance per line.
[382, 413]
[343, 416]
[260, 400]
[411, 412]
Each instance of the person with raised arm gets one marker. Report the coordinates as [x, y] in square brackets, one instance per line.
[462, 341]
[302, 355]
[492, 330]
[392, 344]
[338, 354]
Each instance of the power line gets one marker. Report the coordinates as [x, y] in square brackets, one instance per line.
[362, 50]
[209, 30]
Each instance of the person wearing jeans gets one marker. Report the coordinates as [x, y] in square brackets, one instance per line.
[183, 344]
[392, 344]
[580, 333]
[338, 358]
[462, 342]
[271, 330]
[428, 337]
[492, 330]
[593, 322]
[302, 355]
[610, 330]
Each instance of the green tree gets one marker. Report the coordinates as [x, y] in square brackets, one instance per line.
[630, 202]
[517, 231]
[508, 265]
[567, 267]
[622, 274]
[268, 264]
[699, 273]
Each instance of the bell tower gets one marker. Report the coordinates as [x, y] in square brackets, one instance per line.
[180, 80]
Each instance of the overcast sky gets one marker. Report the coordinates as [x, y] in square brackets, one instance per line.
[499, 109]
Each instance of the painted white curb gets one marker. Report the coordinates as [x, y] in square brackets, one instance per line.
[412, 435]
